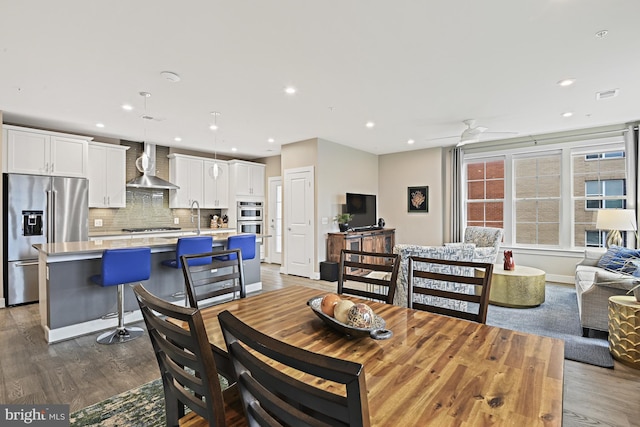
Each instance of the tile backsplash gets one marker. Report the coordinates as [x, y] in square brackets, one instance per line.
[146, 207]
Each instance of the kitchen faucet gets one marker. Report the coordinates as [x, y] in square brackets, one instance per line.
[195, 202]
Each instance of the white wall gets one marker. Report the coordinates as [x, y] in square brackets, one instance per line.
[338, 169]
[409, 169]
[341, 170]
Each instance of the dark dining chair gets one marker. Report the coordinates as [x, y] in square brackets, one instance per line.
[453, 288]
[213, 274]
[369, 275]
[189, 365]
[273, 397]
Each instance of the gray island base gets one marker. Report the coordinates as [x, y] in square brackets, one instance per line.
[72, 305]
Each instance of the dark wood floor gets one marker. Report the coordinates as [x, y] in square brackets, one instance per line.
[81, 372]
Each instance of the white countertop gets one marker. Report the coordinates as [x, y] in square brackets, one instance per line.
[177, 233]
[98, 245]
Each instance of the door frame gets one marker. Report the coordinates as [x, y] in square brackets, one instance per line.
[272, 208]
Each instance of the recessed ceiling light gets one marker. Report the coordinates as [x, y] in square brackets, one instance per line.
[271, 140]
[177, 139]
[290, 90]
[100, 125]
[127, 107]
[567, 114]
[370, 124]
[602, 34]
[566, 82]
[410, 142]
[234, 149]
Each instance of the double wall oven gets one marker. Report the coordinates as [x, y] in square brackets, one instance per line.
[250, 217]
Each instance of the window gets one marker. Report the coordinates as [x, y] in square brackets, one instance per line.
[611, 155]
[547, 196]
[599, 182]
[595, 238]
[597, 191]
[537, 199]
[485, 193]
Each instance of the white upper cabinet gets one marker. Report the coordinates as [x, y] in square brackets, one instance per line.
[216, 189]
[247, 178]
[37, 152]
[186, 172]
[107, 175]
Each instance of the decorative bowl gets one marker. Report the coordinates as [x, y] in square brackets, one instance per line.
[377, 331]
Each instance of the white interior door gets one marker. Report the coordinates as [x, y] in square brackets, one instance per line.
[275, 220]
[298, 219]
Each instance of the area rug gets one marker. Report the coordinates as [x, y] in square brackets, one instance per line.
[139, 407]
[557, 317]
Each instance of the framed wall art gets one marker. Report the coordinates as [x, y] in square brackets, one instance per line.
[418, 199]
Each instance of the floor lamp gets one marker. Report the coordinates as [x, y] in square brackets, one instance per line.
[616, 220]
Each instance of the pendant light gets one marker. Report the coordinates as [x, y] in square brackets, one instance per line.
[215, 170]
[143, 163]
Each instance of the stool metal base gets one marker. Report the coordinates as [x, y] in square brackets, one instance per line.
[120, 335]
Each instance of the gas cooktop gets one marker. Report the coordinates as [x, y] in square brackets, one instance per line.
[147, 229]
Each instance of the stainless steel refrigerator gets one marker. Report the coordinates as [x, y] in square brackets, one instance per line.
[38, 209]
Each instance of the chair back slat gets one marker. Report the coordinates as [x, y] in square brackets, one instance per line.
[377, 272]
[273, 397]
[222, 274]
[186, 361]
[452, 288]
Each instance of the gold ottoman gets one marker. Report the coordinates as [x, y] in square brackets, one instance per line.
[624, 329]
[522, 287]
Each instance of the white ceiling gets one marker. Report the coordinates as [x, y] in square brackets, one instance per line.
[415, 68]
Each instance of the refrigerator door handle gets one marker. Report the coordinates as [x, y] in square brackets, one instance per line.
[51, 200]
[26, 263]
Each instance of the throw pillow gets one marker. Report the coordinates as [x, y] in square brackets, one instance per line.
[619, 259]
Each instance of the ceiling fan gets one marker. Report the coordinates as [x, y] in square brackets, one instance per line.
[473, 133]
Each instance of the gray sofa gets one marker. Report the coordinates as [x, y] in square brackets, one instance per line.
[594, 286]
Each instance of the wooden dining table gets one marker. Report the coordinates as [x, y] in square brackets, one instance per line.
[433, 370]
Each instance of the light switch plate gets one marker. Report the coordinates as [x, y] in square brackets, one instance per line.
[176, 220]
[97, 223]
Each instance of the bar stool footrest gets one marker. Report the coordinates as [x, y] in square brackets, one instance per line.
[120, 335]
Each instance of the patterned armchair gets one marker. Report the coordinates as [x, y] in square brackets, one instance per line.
[481, 244]
[460, 252]
[487, 241]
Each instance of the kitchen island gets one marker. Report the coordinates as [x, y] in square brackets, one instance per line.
[72, 305]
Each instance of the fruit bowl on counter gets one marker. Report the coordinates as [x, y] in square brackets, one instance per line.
[377, 329]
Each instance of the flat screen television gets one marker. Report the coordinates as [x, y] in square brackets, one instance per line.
[363, 209]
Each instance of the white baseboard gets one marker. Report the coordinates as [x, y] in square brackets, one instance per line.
[558, 278]
[92, 326]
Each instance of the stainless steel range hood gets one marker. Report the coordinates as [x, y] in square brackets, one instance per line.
[147, 165]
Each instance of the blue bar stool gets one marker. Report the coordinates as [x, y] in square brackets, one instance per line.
[245, 242]
[191, 246]
[120, 266]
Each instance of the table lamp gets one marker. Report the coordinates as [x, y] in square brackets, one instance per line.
[616, 220]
